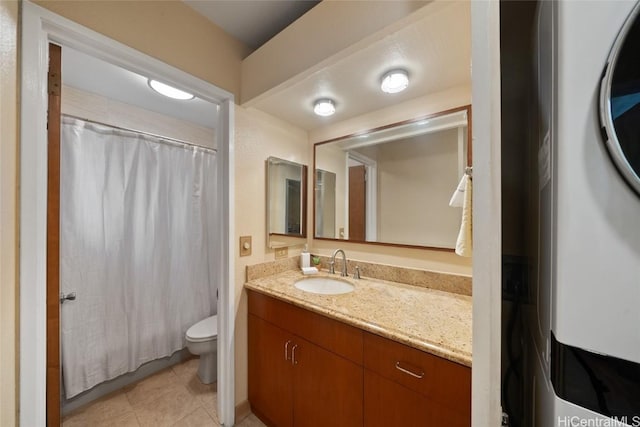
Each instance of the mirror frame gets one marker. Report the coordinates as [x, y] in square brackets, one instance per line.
[304, 203]
[469, 164]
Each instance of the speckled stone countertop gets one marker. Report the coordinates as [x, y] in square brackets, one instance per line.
[430, 320]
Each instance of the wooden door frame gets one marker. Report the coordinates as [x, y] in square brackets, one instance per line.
[39, 28]
[54, 89]
[371, 221]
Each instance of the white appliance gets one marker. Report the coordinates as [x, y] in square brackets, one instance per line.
[587, 325]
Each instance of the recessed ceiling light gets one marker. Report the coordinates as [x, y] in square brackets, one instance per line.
[395, 81]
[324, 107]
[169, 91]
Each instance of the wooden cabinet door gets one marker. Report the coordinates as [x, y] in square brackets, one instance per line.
[270, 373]
[387, 403]
[327, 388]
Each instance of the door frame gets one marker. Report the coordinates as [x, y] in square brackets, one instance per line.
[371, 201]
[39, 27]
[487, 216]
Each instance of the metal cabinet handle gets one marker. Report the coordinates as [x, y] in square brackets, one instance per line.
[409, 372]
[293, 354]
[286, 350]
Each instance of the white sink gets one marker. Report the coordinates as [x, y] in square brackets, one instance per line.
[324, 285]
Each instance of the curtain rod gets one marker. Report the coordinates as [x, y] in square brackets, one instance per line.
[166, 139]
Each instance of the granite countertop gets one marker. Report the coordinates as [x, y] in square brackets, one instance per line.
[434, 321]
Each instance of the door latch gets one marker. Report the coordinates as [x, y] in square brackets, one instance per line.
[67, 297]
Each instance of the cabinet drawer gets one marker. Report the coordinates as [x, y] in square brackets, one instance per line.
[330, 334]
[387, 403]
[439, 380]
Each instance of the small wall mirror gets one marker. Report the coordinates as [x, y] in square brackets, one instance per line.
[286, 202]
[392, 185]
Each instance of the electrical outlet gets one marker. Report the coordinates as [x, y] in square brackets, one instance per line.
[282, 253]
[245, 245]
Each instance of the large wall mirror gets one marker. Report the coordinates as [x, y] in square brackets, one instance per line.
[392, 185]
[286, 202]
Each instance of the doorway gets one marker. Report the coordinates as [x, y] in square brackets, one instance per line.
[40, 27]
[361, 197]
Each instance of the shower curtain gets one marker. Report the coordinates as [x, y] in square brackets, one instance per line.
[138, 245]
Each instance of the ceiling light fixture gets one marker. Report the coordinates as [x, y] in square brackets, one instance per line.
[324, 107]
[169, 91]
[395, 81]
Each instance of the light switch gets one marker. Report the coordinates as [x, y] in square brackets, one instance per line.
[245, 245]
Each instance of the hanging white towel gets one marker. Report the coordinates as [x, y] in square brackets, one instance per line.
[457, 198]
[464, 244]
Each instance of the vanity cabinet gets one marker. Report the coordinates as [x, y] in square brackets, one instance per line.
[310, 381]
[309, 370]
[405, 386]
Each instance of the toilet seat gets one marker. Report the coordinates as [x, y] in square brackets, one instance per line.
[204, 330]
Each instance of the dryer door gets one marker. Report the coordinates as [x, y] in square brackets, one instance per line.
[620, 101]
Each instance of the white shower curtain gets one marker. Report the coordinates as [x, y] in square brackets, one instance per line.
[138, 245]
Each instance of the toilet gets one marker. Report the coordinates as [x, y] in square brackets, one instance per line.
[202, 340]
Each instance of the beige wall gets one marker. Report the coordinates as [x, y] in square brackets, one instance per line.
[258, 136]
[168, 30]
[416, 178]
[8, 211]
[415, 258]
[88, 105]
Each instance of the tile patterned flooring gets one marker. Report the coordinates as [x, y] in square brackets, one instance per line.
[173, 397]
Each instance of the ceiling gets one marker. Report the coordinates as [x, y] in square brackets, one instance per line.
[253, 22]
[435, 50]
[93, 75]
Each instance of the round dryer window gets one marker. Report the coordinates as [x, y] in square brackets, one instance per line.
[620, 101]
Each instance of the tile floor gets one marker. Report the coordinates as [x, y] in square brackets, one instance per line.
[172, 397]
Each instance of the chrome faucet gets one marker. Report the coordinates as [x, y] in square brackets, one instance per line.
[332, 264]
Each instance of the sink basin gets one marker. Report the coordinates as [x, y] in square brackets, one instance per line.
[324, 285]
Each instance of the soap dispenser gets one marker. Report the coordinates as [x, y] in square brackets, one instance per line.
[305, 258]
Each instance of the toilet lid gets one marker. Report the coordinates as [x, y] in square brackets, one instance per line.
[204, 329]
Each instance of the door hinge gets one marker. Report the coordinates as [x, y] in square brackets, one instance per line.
[54, 84]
